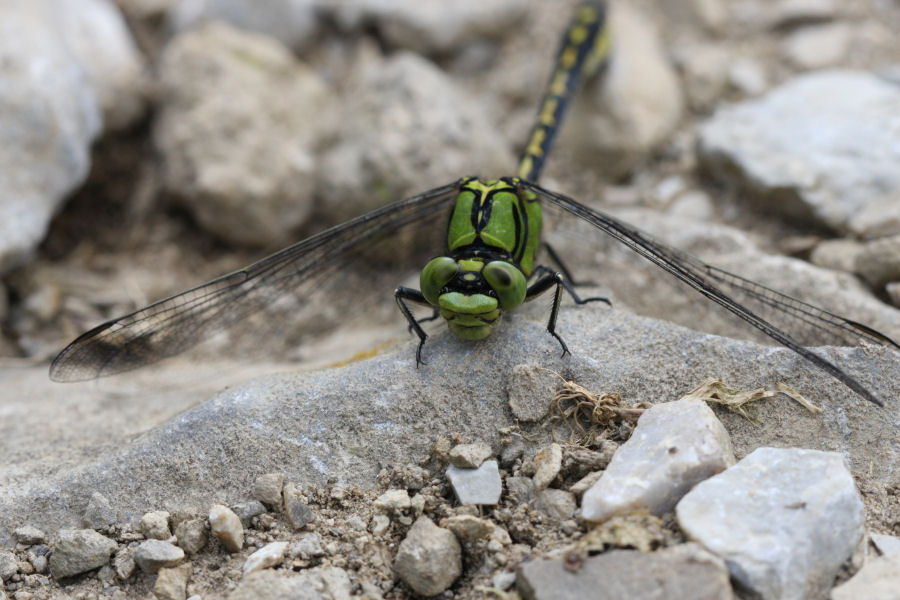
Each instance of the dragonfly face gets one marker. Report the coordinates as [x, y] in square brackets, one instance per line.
[492, 237]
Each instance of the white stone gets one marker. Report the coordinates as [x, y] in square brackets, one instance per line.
[547, 464]
[819, 46]
[393, 501]
[226, 526]
[784, 520]
[268, 556]
[476, 486]
[674, 446]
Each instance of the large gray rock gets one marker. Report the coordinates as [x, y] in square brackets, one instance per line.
[239, 126]
[674, 446]
[823, 145]
[311, 424]
[784, 520]
[686, 572]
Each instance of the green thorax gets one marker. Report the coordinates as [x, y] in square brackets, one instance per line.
[496, 215]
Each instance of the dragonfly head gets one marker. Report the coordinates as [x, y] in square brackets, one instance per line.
[471, 293]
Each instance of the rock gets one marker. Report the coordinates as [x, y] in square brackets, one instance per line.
[171, 583]
[469, 456]
[155, 525]
[559, 505]
[379, 525]
[238, 129]
[878, 579]
[247, 510]
[99, 513]
[429, 558]
[503, 580]
[292, 22]
[153, 555]
[888, 545]
[819, 146]
[512, 452]
[297, 512]
[520, 489]
[8, 566]
[38, 558]
[47, 125]
[476, 486]
[78, 551]
[752, 515]
[468, 528]
[748, 76]
[267, 488]
[309, 546]
[124, 564]
[817, 47]
[635, 107]
[276, 585]
[547, 463]
[393, 501]
[428, 28]
[585, 483]
[399, 114]
[268, 556]
[674, 446]
[99, 39]
[704, 69]
[192, 535]
[682, 572]
[579, 461]
[878, 219]
[227, 528]
[29, 535]
[840, 254]
[531, 389]
[878, 261]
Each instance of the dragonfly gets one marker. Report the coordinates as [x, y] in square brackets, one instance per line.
[488, 267]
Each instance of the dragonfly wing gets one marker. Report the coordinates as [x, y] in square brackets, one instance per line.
[171, 326]
[787, 320]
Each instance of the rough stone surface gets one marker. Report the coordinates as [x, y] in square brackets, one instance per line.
[227, 528]
[155, 525]
[393, 501]
[530, 390]
[8, 566]
[238, 129]
[821, 145]
[310, 584]
[295, 509]
[476, 486]
[674, 446]
[429, 558]
[29, 535]
[99, 513]
[547, 463]
[469, 456]
[559, 505]
[879, 579]
[247, 510]
[78, 551]
[267, 488]
[640, 98]
[753, 514]
[468, 528]
[192, 534]
[878, 261]
[683, 572]
[268, 556]
[171, 583]
[152, 555]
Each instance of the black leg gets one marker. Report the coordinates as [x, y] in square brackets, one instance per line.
[405, 293]
[569, 287]
[545, 282]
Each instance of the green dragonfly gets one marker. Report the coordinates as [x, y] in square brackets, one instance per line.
[493, 234]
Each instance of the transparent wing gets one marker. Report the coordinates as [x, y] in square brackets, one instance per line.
[790, 322]
[171, 326]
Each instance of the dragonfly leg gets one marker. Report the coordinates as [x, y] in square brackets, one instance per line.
[401, 294]
[541, 270]
[545, 282]
[558, 261]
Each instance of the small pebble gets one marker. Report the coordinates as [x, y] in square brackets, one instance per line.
[78, 551]
[559, 505]
[155, 525]
[227, 528]
[270, 555]
[192, 535]
[153, 555]
[417, 503]
[503, 580]
[310, 546]
[297, 512]
[429, 559]
[8, 566]
[247, 510]
[379, 524]
[468, 528]
[29, 535]
[547, 464]
[171, 583]
[267, 488]
[520, 489]
[476, 486]
[124, 564]
[469, 456]
[393, 501]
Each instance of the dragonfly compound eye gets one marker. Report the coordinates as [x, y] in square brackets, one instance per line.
[507, 281]
[437, 274]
